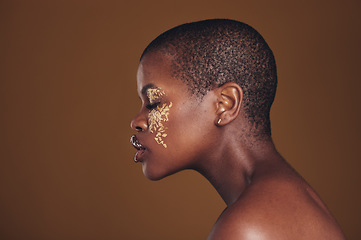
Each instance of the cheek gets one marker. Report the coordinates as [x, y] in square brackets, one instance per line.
[190, 127]
[157, 117]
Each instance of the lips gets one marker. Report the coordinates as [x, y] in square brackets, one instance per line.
[137, 145]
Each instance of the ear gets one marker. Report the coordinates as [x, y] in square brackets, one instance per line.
[229, 99]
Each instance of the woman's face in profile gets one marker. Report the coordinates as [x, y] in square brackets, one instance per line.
[173, 127]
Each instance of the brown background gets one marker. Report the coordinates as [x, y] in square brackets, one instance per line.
[68, 94]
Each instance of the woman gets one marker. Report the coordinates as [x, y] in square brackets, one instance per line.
[206, 89]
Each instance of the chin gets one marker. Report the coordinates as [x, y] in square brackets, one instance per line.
[153, 177]
[152, 174]
[155, 174]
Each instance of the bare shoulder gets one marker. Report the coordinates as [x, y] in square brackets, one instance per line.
[277, 209]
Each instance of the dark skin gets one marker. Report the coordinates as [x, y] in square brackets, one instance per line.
[265, 197]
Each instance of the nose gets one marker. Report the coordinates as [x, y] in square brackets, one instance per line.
[139, 123]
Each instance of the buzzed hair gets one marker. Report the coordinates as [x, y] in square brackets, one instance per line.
[207, 54]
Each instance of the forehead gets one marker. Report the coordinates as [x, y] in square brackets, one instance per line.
[154, 71]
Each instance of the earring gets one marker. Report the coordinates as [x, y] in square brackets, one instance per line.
[219, 121]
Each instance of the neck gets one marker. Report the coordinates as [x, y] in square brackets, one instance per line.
[232, 166]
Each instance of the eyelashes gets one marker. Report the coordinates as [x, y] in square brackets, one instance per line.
[152, 106]
[154, 97]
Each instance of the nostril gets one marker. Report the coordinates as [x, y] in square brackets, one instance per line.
[139, 123]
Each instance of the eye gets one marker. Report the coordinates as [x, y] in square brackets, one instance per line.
[152, 106]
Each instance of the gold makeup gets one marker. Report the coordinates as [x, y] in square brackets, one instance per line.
[158, 115]
[154, 94]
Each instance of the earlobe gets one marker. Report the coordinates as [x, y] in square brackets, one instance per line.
[229, 103]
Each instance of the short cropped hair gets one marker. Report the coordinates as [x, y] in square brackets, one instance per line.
[207, 54]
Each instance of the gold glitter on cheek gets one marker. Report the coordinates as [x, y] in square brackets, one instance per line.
[157, 117]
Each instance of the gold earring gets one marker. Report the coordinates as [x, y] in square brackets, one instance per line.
[219, 121]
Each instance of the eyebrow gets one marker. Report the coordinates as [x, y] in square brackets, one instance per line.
[146, 87]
